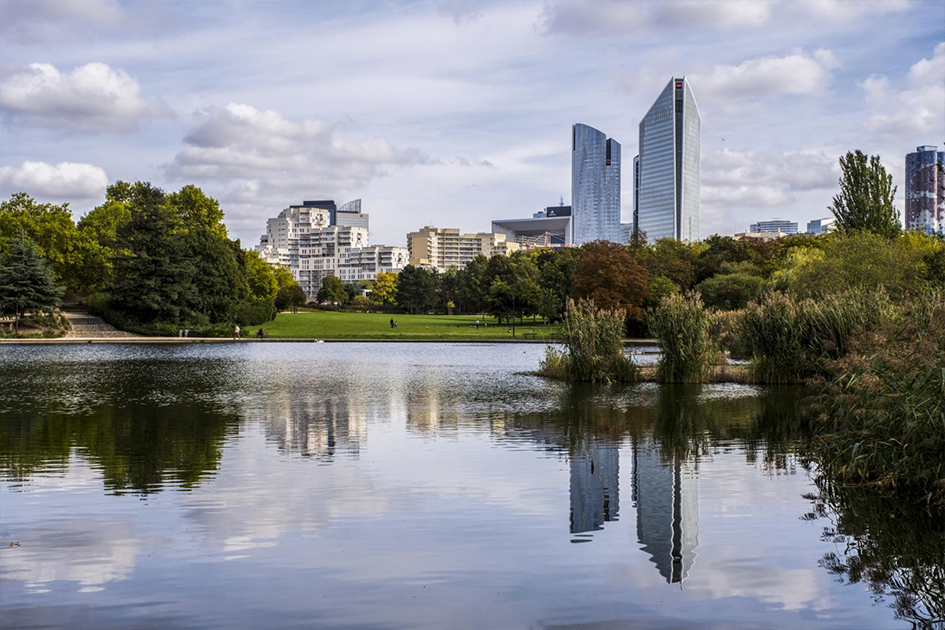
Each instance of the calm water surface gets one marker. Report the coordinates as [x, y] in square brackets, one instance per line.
[425, 486]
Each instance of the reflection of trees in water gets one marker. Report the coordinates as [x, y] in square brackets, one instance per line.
[895, 547]
[137, 449]
[148, 434]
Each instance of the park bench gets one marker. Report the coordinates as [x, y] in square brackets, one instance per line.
[529, 335]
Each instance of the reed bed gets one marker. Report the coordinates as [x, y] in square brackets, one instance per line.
[684, 330]
[881, 409]
[593, 347]
[793, 340]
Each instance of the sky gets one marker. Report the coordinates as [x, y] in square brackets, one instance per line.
[456, 113]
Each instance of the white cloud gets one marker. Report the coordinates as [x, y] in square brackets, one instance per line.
[29, 21]
[917, 110]
[93, 97]
[63, 181]
[796, 73]
[260, 159]
[616, 17]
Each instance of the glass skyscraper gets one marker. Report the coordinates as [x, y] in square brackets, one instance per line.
[668, 199]
[595, 186]
[925, 190]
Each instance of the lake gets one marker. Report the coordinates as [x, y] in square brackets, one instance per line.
[401, 485]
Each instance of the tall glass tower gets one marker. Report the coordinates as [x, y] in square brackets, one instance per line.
[595, 186]
[668, 200]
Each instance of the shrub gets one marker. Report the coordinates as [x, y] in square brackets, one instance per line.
[683, 327]
[882, 406]
[254, 313]
[593, 341]
[726, 328]
[791, 340]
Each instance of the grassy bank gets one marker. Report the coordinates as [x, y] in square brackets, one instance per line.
[342, 325]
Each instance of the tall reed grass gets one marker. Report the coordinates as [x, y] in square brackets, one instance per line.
[881, 410]
[792, 340]
[683, 327]
[593, 347]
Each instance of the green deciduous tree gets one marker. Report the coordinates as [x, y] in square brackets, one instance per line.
[416, 289]
[866, 197]
[290, 296]
[27, 282]
[332, 291]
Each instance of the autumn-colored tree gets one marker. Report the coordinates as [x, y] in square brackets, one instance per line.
[385, 288]
[607, 274]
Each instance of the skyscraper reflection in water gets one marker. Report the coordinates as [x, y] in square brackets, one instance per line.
[595, 497]
[665, 493]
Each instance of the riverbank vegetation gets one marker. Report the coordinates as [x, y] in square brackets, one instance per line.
[592, 339]
[683, 328]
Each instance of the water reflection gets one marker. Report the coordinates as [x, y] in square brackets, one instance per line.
[376, 477]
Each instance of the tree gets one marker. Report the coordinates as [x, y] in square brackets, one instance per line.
[416, 289]
[718, 250]
[153, 275]
[729, 291]
[290, 296]
[671, 258]
[196, 210]
[27, 283]
[472, 285]
[332, 291]
[866, 197]
[218, 284]
[554, 280]
[607, 274]
[385, 289]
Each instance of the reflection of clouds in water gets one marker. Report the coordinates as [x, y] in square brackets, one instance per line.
[787, 589]
[89, 552]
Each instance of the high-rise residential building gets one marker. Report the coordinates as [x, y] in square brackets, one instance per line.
[774, 225]
[442, 248]
[669, 188]
[313, 243]
[595, 186]
[925, 190]
[820, 226]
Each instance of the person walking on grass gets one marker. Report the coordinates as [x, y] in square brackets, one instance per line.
[236, 331]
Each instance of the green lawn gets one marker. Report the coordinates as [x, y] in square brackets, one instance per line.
[337, 325]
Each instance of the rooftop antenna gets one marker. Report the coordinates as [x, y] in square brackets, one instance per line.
[561, 201]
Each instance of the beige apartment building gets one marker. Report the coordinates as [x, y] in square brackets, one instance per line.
[442, 248]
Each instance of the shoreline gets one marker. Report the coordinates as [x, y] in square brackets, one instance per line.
[193, 340]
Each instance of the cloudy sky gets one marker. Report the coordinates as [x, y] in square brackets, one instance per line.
[455, 113]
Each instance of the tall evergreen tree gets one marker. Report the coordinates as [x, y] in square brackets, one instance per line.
[152, 276]
[27, 282]
[866, 197]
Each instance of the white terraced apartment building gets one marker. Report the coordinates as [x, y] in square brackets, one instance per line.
[442, 248]
[316, 239]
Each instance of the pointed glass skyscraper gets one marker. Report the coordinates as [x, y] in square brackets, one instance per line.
[668, 198]
[595, 186]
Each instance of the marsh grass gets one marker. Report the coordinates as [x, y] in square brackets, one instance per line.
[593, 347]
[881, 409]
[792, 340]
[684, 330]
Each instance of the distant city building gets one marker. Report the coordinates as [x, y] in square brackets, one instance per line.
[595, 186]
[925, 190]
[442, 248]
[759, 236]
[774, 225]
[550, 227]
[820, 226]
[669, 186]
[665, 492]
[317, 239]
[626, 230]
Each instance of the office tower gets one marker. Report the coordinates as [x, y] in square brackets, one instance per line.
[665, 492]
[669, 165]
[820, 226]
[925, 190]
[595, 186]
[636, 190]
[775, 225]
[626, 230]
